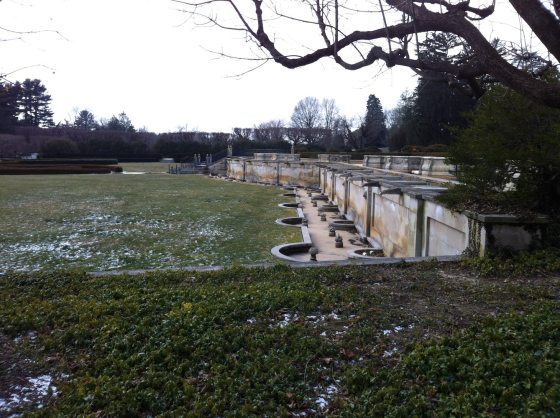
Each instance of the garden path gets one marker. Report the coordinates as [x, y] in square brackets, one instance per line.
[319, 232]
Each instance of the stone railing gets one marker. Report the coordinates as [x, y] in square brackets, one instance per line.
[425, 166]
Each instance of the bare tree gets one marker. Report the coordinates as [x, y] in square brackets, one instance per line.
[271, 131]
[307, 119]
[357, 35]
[330, 113]
[307, 114]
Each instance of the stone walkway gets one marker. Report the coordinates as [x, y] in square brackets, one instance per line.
[319, 232]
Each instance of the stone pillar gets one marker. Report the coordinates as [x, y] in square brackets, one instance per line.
[420, 237]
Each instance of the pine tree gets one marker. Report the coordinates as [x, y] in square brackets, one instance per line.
[8, 107]
[374, 127]
[85, 120]
[120, 123]
[436, 106]
[34, 104]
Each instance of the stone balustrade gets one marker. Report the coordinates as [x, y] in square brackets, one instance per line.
[425, 166]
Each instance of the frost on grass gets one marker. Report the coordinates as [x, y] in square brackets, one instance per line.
[143, 242]
[325, 395]
[32, 394]
[106, 223]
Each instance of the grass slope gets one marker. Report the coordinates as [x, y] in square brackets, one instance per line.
[104, 222]
[423, 340]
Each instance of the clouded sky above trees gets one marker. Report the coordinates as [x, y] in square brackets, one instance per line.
[148, 59]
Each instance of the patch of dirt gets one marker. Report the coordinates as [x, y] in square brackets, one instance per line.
[21, 386]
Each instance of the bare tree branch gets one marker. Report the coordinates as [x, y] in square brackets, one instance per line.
[542, 22]
[32, 32]
[418, 17]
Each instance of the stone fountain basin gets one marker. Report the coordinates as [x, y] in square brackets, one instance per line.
[321, 197]
[328, 208]
[366, 253]
[291, 221]
[287, 251]
[291, 205]
[342, 224]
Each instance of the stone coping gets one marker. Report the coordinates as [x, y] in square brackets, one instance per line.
[302, 264]
[496, 218]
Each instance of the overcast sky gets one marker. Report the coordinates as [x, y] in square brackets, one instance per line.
[144, 58]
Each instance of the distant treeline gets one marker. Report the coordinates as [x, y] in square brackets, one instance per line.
[68, 142]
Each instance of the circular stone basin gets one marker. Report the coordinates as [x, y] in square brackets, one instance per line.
[343, 225]
[286, 251]
[366, 253]
[292, 221]
[293, 205]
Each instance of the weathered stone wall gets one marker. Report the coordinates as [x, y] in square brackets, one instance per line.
[426, 166]
[304, 174]
[235, 168]
[402, 217]
[394, 212]
[342, 158]
[446, 232]
[261, 172]
[264, 156]
[340, 191]
[357, 205]
[394, 223]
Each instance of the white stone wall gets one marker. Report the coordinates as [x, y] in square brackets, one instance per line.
[274, 172]
[398, 215]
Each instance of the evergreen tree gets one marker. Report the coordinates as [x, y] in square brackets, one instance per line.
[8, 107]
[437, 107]
[426, 116]
[510, 152]
[85, 120]
[120, 123]
[400, 122]
[34, 104]
[374, 127]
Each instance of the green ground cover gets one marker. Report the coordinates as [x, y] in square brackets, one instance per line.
[120, 221]
[399, 341]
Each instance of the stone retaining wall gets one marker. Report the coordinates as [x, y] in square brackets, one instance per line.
[403, 218]
[426, 166]
[396, 213]
[304, 174]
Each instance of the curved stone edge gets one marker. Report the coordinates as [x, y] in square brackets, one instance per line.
[288, 205]
[352, 254]
[293, 248]
[298, 264]
[280, 221]
[280, 251]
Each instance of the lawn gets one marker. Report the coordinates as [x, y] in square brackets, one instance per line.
[122, 221]
[391, 341]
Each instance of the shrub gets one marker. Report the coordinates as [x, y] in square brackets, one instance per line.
[59, 148]
[510, 152]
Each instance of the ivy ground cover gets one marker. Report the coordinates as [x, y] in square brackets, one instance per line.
[149, 221]
[423, 340]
